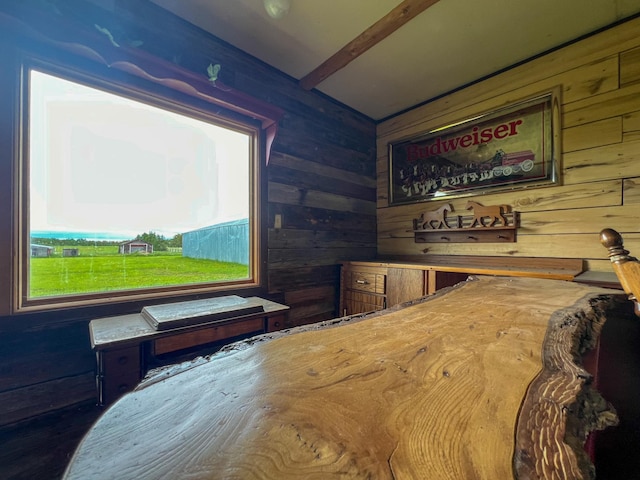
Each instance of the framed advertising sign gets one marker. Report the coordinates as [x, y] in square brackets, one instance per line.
[514, 147]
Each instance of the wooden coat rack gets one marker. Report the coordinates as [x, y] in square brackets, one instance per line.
[487, 224]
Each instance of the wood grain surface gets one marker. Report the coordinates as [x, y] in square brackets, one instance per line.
[432, 390]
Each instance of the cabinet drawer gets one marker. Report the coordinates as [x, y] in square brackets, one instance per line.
[357, 302]
[119, 371]
[366, 282]
[207, 335]
[275, 323]
[117, 362]
[114, 386]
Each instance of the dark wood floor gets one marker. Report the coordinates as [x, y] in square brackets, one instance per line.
[40, 449]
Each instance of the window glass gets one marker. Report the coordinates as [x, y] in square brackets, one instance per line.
[123, 195]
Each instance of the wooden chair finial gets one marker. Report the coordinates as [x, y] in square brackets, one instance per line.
[612, 240]
[626, 267]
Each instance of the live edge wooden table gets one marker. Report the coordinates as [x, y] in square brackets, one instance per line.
[481, 381]
[126, 346]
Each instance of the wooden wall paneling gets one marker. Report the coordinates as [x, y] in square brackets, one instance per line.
[294, 297]
[310, 239]
[296, 257]
[631, 127]
[397, 221]
[302, 165]
[632, 136]
[318, 311]
[300, 144]
[631, 122]
[611, 104]
[599, 265]
[594, 134]
[317, 112]
[382, 196]
[580, 220]
[44, 397]
[319, 125]
[334, 183]
[585, 246]
[291, 278]
[310, 218]
[311, 304]
[291, 194]
[631, 191]
[608, 162]
[572, 221]
[36, 357]
[589, 50]
[630, 66]
[593, 77]
[581, 82]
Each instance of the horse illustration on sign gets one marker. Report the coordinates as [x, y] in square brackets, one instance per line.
[438, 216]
[494, 213]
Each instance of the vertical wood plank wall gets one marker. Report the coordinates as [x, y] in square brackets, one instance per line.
[600, 164]
[321, 180]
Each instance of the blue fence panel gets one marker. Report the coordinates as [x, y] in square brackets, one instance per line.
[226, 242]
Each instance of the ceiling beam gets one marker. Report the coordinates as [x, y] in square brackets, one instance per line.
[384, 27]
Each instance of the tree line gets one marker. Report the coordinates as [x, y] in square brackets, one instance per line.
[160, 242]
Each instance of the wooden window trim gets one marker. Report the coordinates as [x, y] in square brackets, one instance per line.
[91, 48]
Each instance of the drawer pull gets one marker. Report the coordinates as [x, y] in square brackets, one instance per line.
[362, 282]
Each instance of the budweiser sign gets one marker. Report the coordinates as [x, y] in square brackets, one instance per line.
[504, 149]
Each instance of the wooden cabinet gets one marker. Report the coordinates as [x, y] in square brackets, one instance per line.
[363, 289]
[123, 369]
[370, 286]
[375, 285]
[127, 346]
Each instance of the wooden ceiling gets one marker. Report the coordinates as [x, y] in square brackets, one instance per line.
[381, 57]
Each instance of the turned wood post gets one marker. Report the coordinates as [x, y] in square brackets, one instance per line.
[626, 267]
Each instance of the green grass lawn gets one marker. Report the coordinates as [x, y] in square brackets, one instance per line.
[99, 269]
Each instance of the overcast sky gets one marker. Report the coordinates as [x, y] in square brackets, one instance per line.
[101, 163]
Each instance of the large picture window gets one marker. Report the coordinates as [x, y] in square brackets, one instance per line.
[128, 194]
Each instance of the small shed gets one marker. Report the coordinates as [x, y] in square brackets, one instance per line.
[41, 250]
[70, 252]
[135, 246]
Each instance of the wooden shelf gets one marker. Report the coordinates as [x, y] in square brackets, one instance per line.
[534, 267]
[467, 235]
